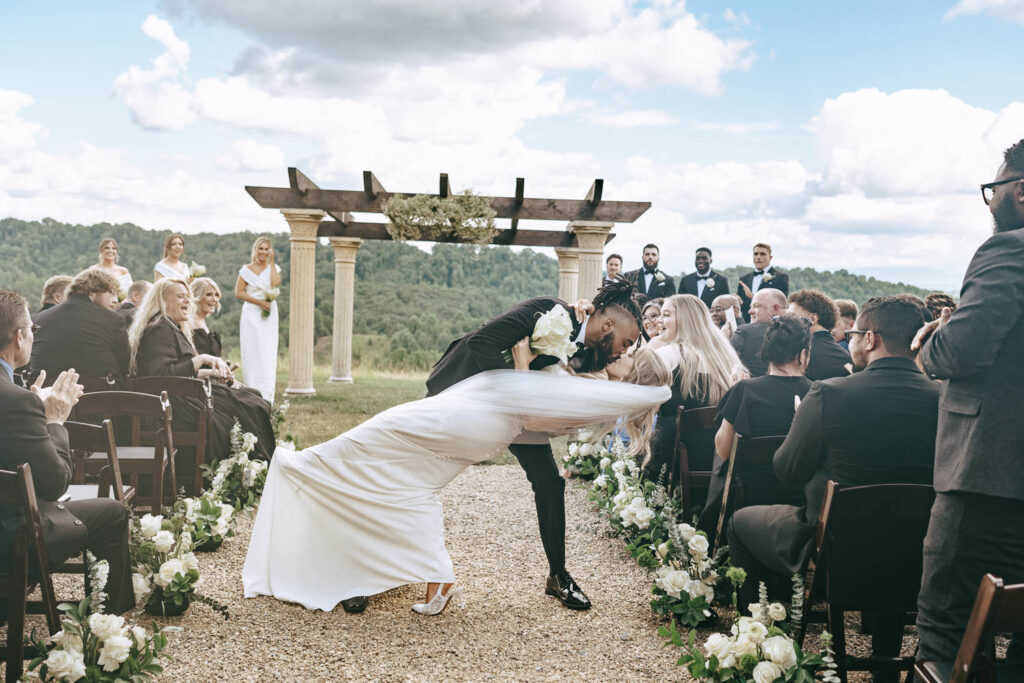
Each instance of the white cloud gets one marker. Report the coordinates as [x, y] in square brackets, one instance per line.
[1007, 9]
[16, 134]
[251, 155]
[639, 118]
[156, 97]
[739, 128]
[734, 17]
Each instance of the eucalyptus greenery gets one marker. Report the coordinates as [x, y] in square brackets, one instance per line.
[467, 216]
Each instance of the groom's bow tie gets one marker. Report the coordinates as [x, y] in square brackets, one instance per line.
[758, 272]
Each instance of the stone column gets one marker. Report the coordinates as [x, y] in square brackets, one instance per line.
[591, 236]
[568, 273]
[345, 249]
[303, 225]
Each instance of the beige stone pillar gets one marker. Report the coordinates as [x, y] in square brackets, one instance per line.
[568, 273]
[591, 236]
[303, 225]
[345, 249]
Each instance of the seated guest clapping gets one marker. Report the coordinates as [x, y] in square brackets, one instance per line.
[206, 294]
[55, 290]
[762, 406]
[748, 339]
[136, 293]
[83, 333]
[32, 431]
[161, 345]
[828, 359]
[702, 365]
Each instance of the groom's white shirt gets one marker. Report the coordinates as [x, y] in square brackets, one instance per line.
[581, 337]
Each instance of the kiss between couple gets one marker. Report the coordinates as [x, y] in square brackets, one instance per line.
[360, 514]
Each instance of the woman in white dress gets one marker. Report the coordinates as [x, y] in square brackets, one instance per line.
[360, 514]
[172, 265]
[256, 287]
[108, 264]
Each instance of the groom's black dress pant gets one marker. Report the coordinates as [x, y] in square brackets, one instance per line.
[549, 494]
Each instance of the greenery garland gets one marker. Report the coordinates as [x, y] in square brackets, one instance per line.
[423, 216]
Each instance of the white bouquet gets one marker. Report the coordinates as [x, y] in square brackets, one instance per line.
[196, 270]
[271, 296]
[551, 336]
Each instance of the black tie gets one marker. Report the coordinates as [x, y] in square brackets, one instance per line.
[758, 272]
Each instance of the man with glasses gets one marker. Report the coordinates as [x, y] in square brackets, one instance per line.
[747, 339]
[976, 524]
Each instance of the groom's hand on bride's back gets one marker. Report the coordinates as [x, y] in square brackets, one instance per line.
[582, 309]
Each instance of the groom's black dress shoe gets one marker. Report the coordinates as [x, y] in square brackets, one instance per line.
[355, 605]
[568, 593]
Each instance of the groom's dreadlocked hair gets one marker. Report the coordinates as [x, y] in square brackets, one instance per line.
[620, 294]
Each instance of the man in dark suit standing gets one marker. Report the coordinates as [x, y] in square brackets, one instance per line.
[705, 284]
[609, 331]
[747, 339]
[32, 431]
[976, 524]
[763, 276]
[828, 359]
[83, 332]
[136, 293]
[650, 281]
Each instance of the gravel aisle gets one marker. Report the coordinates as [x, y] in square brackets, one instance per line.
[508, 631]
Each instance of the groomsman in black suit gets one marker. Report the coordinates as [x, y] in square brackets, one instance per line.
[764, 275]
[136, 293]
[705, 284]
[650, 281]
[828, 359]
[976, 524]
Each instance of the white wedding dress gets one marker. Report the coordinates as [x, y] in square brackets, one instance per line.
[257, 336]
[360, 514]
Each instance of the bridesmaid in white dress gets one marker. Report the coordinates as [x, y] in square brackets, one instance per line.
[257, 332]
[360, 514]
[108, 264]
[172, 265]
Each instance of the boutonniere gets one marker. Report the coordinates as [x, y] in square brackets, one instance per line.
[709, 282]
[767, 277]
[659, 276]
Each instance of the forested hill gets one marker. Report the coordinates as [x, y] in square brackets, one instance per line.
[409, 304]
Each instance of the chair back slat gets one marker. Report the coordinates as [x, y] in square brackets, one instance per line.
[111, 403]
[698, 419]
[94, 384]
[998, 608]
[100, 438]
[185, 387]
[690, 422]
[745, 452]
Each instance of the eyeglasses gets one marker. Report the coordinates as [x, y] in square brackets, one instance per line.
[848, 334]
[988, 190]
[648, 317]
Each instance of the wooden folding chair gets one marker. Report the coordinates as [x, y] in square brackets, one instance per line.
[756, 451]
[691, 422]
[86, 440]
[187, 388]
[150, 453]
[868, 556]
[997, 609]
[90, 384]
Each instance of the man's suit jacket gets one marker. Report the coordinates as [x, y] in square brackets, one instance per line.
[484, 348]
[779, 281]
[659, 288]
[688, 285]
[127, 312]
[747, 340]
[980, 352]
[828, 359]
[81, 335]
[25, 437]
[874, 427]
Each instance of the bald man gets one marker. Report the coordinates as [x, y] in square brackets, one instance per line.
[747, 339]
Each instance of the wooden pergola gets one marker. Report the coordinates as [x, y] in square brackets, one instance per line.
[312, 213]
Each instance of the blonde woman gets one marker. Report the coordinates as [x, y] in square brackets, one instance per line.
[703, 364]
[256, 287]
[172, 264]
[109, 257]
[206, 295]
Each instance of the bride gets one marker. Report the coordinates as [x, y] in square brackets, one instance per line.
[360, 514]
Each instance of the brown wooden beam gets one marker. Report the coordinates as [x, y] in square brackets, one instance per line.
[520, 189]
[300, 181]
[504, 207]
[445, 189]
[594, 194]
[526, 238]
[371, 186]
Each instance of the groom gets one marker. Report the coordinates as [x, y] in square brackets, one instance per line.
[611, 329]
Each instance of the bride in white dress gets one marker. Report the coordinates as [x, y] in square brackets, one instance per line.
[257, 326]
[360, 514]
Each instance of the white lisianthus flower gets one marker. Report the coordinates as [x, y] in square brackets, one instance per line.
[743, 645]
[776, 612]
[552, 335]
[662, 550]
[686, 531]
[586, 449]
[619, 501]
[780, 650]
[115, 650]
[226, 511]
[151, 524]
[719, 645]
[698, 545]
[766, 672]
[606, 462]
[68, 641]
[189, 561]
[756, 611]
[168, 570]
[673, 583]
[574, 449]
[141, 588]
[757, 631]
[220, 527]
[696, 589]
[106, 626]
[164, 540]
[60, 664]
[601, 481]
[141, 636]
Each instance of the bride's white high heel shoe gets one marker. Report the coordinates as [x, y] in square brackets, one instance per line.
[439, 601]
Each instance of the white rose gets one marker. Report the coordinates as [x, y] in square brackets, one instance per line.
[574, 449]
[719, 645]
[698, 545]
[219, 528]
[226, 511]
[151, 524]
[776, 612]
[168, 570]
[696, 589]
[780, 650]
[141, 636]
[766, 672]
[189, 561]
[60, 663]
[164, 540]
[673, 583]
[601, 481]
[743, 645]
[605, 463]
[686, 531]
[619, 500]
[757, 631]
[663, 550]
[586, 449]
[115, 651]
[105, 626]
[68, 641]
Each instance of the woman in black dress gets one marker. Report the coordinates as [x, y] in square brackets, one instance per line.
[206, 294]
[762, 406]
[160, 347]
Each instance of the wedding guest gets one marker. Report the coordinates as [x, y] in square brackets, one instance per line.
[32, 432]
[206, 295]
[55, 290]
[650, 280]
[720, 309]
[979, 470]
[612, 267]
[257, 283]
[651, 313]
[844, 321]
[936, 301]
[136, 293]
[828, 359]
[161, 345]
[705, 284]
[83, 332]
[763, 276]
[702, 364]
[874, 427]
[747, 339]
[762, 406]
[172, 265]
[108, 264]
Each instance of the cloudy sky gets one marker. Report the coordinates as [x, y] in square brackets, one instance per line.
[848, 135]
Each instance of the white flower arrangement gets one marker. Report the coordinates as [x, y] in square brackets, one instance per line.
[552, 335]
[206, 517]
[271, 296]
[237, 480]
[585, 458]
[196, 270]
